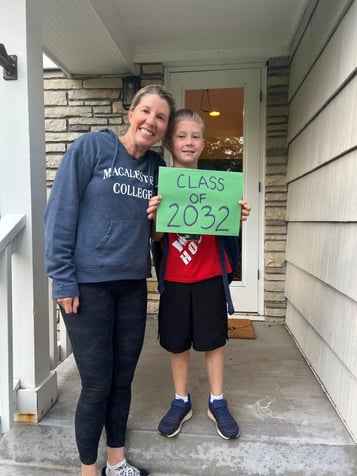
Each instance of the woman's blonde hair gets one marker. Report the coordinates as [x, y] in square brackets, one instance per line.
[160, 91]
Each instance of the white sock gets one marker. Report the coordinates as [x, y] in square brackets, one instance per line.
[117, 465]
[180, 397]
[215, 397]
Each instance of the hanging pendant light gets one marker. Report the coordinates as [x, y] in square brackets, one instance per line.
[205, 104]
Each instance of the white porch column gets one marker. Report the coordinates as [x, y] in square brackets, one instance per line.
[23, 191]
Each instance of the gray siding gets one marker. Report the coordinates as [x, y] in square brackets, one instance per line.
[321, 254]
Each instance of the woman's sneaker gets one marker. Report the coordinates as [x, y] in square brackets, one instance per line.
[179, 412]
[226, 426]
[124, 469]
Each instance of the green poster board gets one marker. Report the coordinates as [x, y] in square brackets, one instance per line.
[199, 201]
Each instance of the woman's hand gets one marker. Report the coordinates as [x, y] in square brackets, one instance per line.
[69, 304]
[245, 210]
[152, 208]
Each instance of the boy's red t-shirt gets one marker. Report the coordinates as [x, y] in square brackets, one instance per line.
[192, 260]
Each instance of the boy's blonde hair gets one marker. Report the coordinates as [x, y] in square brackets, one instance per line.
[185, 115]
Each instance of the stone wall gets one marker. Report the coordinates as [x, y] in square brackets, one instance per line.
[77, 105]
[276, 188]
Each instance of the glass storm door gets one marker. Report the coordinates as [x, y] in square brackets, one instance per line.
[232, 143]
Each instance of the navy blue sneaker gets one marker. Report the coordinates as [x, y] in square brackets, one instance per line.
[178, 413]
[226, 426]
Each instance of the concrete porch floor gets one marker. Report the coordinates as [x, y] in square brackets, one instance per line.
[288, 425]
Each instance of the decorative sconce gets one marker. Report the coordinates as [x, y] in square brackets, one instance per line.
[131, 85]
[9, 63]
[206, 101]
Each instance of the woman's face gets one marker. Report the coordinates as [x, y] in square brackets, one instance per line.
[149, 120]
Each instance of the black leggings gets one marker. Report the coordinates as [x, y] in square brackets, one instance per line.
[107, 336]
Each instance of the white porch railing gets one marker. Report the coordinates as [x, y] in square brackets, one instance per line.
[59, 345]
[10, 227]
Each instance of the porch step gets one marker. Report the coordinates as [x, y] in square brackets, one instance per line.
[50, 451]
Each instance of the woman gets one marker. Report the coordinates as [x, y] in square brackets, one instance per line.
[97, 254]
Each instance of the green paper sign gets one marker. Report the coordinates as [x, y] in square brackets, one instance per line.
[203, 202]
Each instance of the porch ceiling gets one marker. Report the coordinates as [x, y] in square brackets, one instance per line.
[110, 36]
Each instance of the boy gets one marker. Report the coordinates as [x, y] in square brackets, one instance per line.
[192, 308]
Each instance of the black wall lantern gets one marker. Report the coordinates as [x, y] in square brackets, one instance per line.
[131, 85]
[9, 63]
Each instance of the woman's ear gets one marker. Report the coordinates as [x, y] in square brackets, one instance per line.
[130, 114]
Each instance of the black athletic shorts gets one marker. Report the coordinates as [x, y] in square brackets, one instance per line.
[193, 314]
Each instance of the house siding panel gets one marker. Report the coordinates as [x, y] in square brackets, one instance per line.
[312, 149]
[339, 383]
[320, 27]
[321, 253]
[323, 307]
[335, 65]
[327, 251]
[319, 196]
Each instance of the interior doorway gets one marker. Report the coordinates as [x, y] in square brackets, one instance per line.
[223, 112]
[233, 142]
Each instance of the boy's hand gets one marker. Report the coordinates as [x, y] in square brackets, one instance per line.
[152, 208]
[245, 210]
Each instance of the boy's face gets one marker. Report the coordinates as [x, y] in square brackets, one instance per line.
[186, 143]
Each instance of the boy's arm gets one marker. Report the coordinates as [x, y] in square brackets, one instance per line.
[154, 202]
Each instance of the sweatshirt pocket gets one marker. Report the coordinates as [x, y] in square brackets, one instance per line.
[124, 245]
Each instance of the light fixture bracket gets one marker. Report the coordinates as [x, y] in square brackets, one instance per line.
[9, 63]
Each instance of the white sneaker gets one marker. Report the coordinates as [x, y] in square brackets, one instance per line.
[124, 469]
